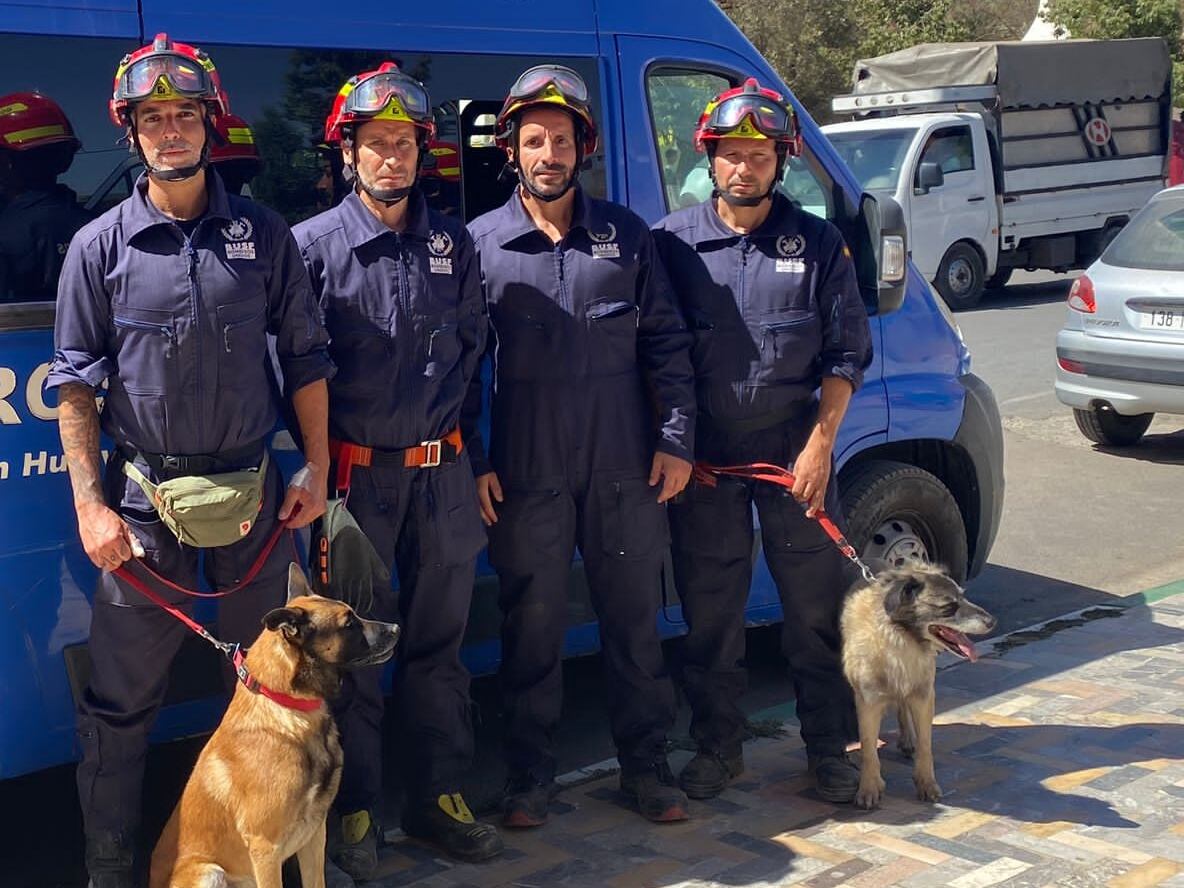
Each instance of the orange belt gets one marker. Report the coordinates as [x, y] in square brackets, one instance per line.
[425, 455]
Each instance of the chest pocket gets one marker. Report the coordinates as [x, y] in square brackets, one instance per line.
[362, 350]
[146, 349]
[524, 347]
[443, 350]
[612, 335]
[242, 332]
[789, 342]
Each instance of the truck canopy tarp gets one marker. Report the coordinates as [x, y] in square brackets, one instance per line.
[1027, 73]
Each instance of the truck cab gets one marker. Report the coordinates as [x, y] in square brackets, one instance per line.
[939, 168]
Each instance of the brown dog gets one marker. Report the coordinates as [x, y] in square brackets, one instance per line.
[893, 630]
[261, 788]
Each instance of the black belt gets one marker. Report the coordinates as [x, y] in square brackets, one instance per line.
[196, 464]
[795, 410]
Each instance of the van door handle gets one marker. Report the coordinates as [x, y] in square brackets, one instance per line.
[975, 199]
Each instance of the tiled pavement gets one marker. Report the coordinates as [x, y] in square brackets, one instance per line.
[1061, 754]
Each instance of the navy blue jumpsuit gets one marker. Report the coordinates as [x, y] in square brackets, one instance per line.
[772, 313]
[178, 325]
[591, 375]
[408, 323]
[35, 229]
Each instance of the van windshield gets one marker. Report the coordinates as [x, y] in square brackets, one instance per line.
[874, 156]
[1153, 239]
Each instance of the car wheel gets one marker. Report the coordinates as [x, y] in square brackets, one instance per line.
[1105, 425]
[901, 514]
[999, 279]
[960, 277]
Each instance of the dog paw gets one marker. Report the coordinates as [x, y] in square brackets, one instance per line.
[869, 794]
[928, 790]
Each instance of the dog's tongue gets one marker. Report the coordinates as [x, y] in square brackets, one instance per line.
[958, 641]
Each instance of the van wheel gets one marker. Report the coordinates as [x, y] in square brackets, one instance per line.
[999, 279]
[1105, 425]
[901, 514]
[960, 277]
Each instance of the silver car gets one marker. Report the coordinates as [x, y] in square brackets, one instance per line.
[1120, 355]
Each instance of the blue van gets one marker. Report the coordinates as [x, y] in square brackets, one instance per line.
[920, 452]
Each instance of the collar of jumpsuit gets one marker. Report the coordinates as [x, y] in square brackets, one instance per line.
[143, 214]
[361, 226]
[719, 234]
[586, 214]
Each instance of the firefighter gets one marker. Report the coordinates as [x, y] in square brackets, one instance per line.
[170, 296]
[37, 144]
[592, 420]
[771, 296]
[401, 291]
[235, 155]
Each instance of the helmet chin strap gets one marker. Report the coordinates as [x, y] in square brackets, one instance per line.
[575, 173]
[732, 199]
[388, 197]
[178, 174]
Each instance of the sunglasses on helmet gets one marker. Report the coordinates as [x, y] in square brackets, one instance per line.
[185, 76]
[533, 81]
[373, 94]
[769, 118]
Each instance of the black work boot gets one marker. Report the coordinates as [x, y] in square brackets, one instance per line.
[447, 822]
[109, 861]
[655, 793]
[836, 778]
[526, 801]
[707, 774]
[353, 844]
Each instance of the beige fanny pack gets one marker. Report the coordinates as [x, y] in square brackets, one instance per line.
[206, 511]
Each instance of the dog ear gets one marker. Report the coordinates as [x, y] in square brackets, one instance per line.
[297, 582]
[903, 589]
[289, 620]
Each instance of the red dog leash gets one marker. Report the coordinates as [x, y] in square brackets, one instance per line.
[708, 475]
[233, 652]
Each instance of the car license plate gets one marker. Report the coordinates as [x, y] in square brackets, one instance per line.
[1162, 319]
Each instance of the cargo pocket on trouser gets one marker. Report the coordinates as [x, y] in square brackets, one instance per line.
[452, 531]
[533, 527]
[629, 520]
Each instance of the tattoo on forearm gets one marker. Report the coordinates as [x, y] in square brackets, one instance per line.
[78, 424]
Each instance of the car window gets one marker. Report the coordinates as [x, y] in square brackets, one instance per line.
[952, 149]
[283, 95]
[1154, 239]
[677, 97]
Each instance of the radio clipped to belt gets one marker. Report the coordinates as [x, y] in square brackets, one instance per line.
[206, 511]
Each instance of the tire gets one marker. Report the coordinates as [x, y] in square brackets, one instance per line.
[1106, 426]
[999, 279]
[960, 277]
[899, 513]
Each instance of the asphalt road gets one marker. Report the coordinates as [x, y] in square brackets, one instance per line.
[1081, 526]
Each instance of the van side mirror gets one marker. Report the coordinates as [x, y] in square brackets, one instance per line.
[929, 175]
[884, 220]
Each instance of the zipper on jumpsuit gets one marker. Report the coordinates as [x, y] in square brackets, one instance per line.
[195, 296]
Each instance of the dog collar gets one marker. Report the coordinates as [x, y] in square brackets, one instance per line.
[252, 684]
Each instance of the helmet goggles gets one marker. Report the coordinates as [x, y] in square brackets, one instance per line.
[564, 82]
[750, 116]
[386, 89]
[166, 76]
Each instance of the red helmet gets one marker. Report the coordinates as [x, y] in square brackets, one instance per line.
[383, 94]
[166, 70]
[30, 120]
[749, 112]
[548, 86]
[238, 140]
